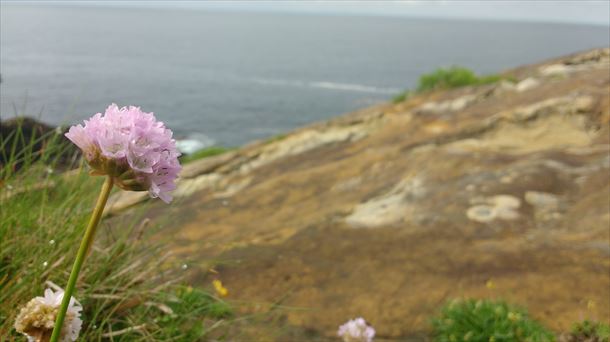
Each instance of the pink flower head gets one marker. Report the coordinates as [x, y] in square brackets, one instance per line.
[356, 330]
[132, 147]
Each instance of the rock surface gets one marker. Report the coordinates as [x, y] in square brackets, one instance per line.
[389, 212]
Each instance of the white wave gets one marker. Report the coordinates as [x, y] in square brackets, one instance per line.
[361, 88]
[354, 87]
[267, 81]
[193, 143]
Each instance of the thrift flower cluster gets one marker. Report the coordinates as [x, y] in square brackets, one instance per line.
[131, 146]
[37, 319]
[356, 330]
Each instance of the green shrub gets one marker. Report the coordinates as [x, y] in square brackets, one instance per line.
[453, 77]
[447, 78]
[204, 153]
[485, 320]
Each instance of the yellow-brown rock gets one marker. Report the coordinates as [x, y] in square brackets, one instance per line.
[389, 212]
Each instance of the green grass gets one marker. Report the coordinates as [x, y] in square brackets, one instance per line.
[205, 153]
[402, 96]
[188, 307]
[277, 137]
[448, 78]
[486, 320]
[591, 331]
[128, 288]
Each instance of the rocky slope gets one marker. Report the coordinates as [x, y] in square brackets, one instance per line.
[492, 191]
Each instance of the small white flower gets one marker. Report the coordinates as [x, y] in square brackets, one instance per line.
[37, 318]
[356, 330]
[45, 264]
[185, 266]
[51, 242]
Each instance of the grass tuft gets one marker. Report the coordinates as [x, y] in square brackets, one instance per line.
[590, 331]
[205, 153]
[486, 320]
[129, 288]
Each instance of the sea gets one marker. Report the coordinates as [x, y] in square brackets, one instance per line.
[228, 78]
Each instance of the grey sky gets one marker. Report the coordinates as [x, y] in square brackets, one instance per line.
[583, 11]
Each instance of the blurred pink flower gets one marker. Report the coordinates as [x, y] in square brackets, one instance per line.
[356, 330]
[132, 147]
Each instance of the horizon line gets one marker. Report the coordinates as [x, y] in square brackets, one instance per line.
[181, 6]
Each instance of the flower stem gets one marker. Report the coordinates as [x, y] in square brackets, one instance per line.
[85, 245]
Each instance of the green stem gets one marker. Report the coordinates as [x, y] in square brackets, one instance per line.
[85, 245]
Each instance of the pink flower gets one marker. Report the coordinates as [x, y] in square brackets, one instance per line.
[356, 330]
[132, 147]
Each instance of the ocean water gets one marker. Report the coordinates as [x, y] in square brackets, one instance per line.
[229, 78]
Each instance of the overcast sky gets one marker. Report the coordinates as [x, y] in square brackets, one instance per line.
[583, 11]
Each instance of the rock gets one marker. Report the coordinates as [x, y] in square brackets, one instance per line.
[527, 84]
[504, 207]
[504, 86]
[571, 104]
[196, 175]
[592, 57]
[389, 206]
[596, 59]
[543, 200]
[452, 105]
[546, 205]
[40, 134]
[461, 102]
[305, 141]
[206, 165]
[555, 70]
[482, 213]
[186, 187]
